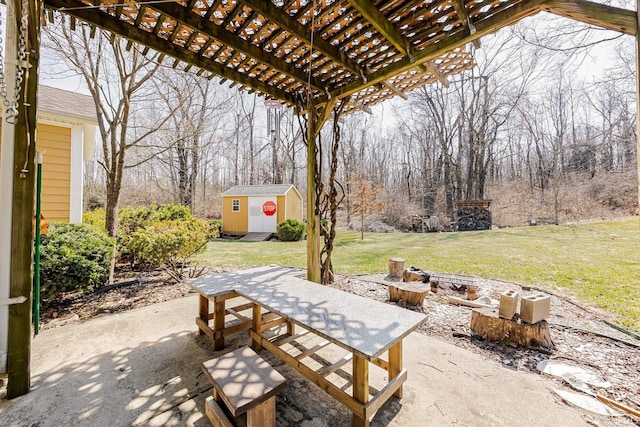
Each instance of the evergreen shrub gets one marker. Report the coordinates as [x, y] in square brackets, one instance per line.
[73, 258]
[290, 230]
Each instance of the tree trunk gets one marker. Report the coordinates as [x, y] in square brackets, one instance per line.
[486, 323]
[396, 267]
[111, 211]
[408, 293]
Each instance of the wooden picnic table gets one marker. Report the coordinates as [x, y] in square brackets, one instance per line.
[365, 328]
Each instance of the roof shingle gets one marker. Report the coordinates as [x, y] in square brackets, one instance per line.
[258, 190]
[66, 103]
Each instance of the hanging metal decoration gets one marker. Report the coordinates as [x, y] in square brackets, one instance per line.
[11, 105]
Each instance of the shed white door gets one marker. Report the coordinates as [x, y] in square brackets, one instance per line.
[259, 221]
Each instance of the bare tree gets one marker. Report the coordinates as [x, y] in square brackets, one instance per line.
[115, 78]
[194, 125]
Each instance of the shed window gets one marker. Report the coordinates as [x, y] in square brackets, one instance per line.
[235, 205]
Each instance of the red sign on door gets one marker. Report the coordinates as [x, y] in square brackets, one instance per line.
[269, 208]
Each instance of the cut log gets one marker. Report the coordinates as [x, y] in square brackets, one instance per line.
[396, 267]
[458, 301]
[486, 323]
[414, 276]
[408, 293]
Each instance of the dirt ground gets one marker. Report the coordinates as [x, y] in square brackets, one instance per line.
[580, 333]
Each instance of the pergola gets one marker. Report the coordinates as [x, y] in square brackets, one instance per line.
[308, 54]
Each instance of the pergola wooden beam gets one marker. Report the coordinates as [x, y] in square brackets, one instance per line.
[289, 24]
[382, 24]
[360, 106]
[395, 90]
[128, 31]
[461, 11]
[486, 26]
[188, 18]
[433, 69]
[390, 33]
[609, 17]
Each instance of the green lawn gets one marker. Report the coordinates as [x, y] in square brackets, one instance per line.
[596, 262]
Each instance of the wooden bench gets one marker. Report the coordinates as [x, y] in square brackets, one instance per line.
[244, 383]
[331, 321]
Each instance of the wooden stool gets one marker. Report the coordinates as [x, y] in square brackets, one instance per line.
[244, 382]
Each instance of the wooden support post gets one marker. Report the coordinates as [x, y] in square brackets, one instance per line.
[395, 365]
[638, 96]
[257, 318]
[313, 220]
[291, 328]
[360, 381]
[24, 178]
[203, 311]
[218, 323]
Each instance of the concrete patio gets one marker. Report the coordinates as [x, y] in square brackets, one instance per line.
[142, 367]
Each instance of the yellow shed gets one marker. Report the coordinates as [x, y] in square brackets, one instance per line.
[259, 208]
[66, 129]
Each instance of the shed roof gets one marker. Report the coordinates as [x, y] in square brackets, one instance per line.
[259, 190]
[66, 103]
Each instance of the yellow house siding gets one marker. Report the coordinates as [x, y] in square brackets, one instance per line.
[235, 222]
[55, 141]
[293, 208]
[280, 212]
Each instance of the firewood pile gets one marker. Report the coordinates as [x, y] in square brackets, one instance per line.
[470, 218]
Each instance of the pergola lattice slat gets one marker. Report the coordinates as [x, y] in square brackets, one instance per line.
[292, 50]
[272, 48]
[75, 8]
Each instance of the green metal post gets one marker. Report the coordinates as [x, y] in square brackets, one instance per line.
[36, 267]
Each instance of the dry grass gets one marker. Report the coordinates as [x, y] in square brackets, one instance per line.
[602, 197]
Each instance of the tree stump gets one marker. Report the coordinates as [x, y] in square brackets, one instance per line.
[415, 276]
[408, 293]
[396, 267]
[486, 323]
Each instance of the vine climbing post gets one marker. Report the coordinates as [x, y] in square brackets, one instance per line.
[318, 201]
[23, 197]
[313, 217]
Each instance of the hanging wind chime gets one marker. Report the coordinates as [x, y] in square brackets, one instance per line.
[11, 105]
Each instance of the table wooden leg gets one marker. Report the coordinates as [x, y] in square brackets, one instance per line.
[395, 365]
[291, 328]
[360, 386]
[263, 415]
[203, 311]
[218, 324]
[257, 318]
